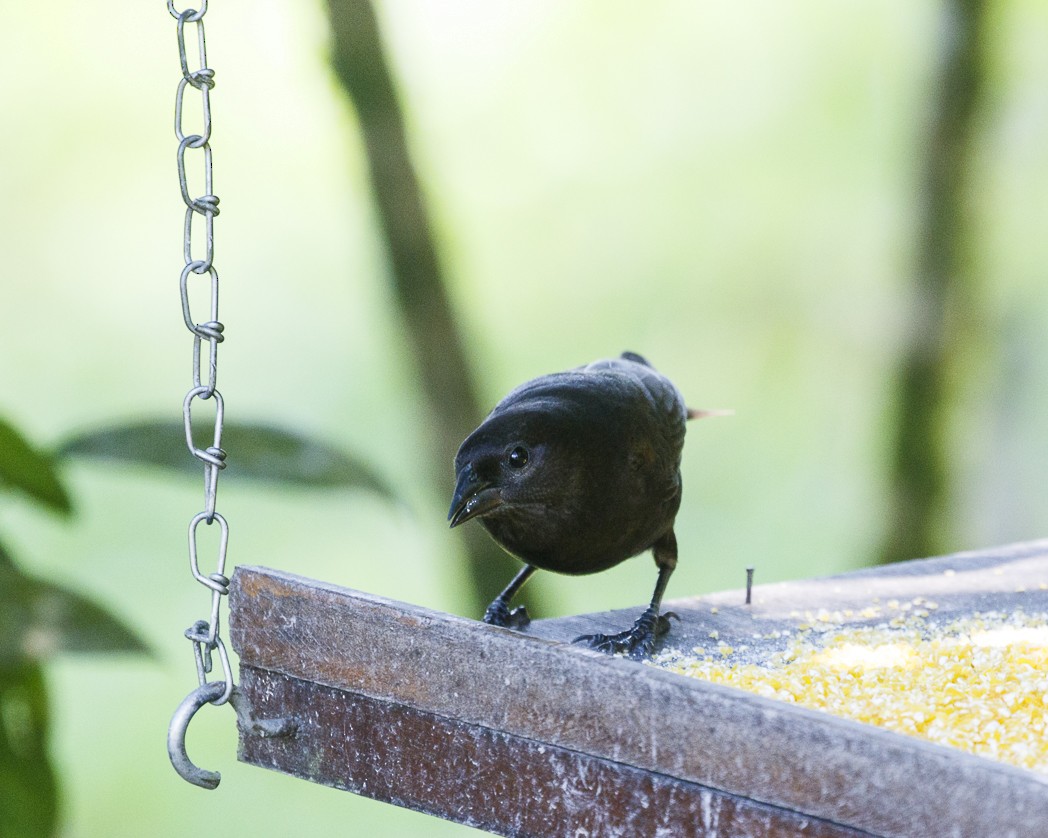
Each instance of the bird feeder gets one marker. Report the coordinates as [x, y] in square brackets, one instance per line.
[524, 733]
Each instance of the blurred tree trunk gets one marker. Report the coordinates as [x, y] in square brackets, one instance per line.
[943, 310]
[429, 323]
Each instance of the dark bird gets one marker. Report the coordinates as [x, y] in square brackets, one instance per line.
[575, 472]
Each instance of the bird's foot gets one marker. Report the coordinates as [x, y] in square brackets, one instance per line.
[498, 614]
[637, 642]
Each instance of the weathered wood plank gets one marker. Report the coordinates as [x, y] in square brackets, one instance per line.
[487, 778]
[529, 692]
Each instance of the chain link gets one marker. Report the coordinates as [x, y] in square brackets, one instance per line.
[205, 635]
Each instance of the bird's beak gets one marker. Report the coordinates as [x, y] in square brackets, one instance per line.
[472, 498]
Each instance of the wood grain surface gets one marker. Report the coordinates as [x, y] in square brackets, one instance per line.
[523, 733]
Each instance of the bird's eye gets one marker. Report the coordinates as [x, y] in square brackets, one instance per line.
[518, 457]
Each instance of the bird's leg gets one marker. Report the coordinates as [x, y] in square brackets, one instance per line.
[639, 641]
[498, 613]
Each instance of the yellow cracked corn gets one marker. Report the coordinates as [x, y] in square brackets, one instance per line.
[978, 683]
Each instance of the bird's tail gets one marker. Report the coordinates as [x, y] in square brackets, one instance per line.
[699, 413]
[636, 358]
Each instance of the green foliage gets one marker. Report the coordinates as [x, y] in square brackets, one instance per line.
[39, 619]
[27, 781]
[25, 469]
[257, 452]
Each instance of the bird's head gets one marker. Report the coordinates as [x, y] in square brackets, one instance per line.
[492, 472]
[509, 466]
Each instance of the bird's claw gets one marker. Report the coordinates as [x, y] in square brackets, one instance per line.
[637, 642]
[498, 614]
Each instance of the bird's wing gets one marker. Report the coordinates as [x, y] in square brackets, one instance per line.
[663, 394]
[601, 383]
[665, 399]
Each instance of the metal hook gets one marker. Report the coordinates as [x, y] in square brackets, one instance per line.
[176, 735]
[208, 694]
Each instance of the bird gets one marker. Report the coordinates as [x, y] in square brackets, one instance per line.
[577, 471]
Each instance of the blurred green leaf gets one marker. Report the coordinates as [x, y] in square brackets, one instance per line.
[39, 619]
[27, 780]
[28, 470]
[256, 452]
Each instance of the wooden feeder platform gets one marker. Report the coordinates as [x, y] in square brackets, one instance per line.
[523, 733]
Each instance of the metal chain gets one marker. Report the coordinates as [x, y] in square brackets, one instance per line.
[203, 634]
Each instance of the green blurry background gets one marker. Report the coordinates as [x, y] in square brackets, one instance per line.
[730, 189]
